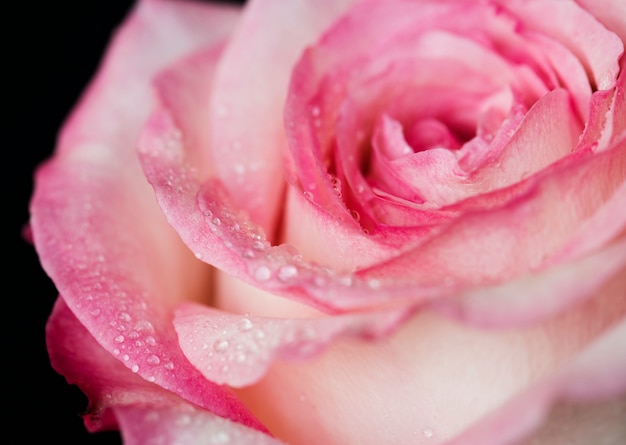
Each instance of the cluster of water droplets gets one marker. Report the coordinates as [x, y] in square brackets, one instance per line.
[184, 425]
[237, 351]
[129, 332]
[275, 267]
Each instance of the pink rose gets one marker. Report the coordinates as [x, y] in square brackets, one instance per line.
[346, 222]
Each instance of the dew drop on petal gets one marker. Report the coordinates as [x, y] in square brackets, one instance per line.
[287, 272]
[263, 273]
[134, 368]
[428, 433]
[220, 437]
[153, 360]
[119, 339]
[220, 345]
[245, 324]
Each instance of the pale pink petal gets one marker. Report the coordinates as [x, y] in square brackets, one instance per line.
[96, 226]
[225, 237]
[598, 48]
[237, 350]
[535, 296]
[250, 87]
[519, 235]
[107, 382]
[446, 376]
[598, 374]
[611, 13]
[182, 424]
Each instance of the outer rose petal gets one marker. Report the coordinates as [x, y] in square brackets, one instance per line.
[598, 374]
[183, 425]
[117, 397]
[238, 350]
[445, 376]
[116, 262]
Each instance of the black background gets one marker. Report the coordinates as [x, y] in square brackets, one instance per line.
[51, 50]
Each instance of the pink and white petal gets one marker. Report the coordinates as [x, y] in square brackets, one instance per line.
[108, 249]
[250, 87]
[598, 49]
[76, 354]
[534, 297]
[182, 424]
[611, 13]
[238, 350]
[446, 376]
[607, 224]
[280, 269]
[521, 234]
[590, 386]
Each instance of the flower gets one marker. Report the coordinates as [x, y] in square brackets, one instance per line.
[346, 222]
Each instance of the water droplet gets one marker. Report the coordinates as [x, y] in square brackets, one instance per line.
[308, 195]
[169, 365]
[153, 360]
[150, 341]
[116, 351]
[287, 272]
[220, 345]
[428, 433]
[134, 368]
[183, 420]
[216, 221]
[374, 283]
[198, 255]
[263, 273]
[151, 379]
[124, 316]
[126, 357]
[259, 245]
[95, 312]
[225, 369]
[119, 339]
[240, 357]
[220, 437]
[245, 324]
[355, 215]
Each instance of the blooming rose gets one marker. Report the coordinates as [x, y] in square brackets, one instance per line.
[346, 222]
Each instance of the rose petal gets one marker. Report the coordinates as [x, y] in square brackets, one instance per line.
[112, 225]
[183, 425]
[248, 98]
[610, 13]
[598, 48]
[107, 382]
[521, 234]
[238, 350]
[445, 376]
[597, 374]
